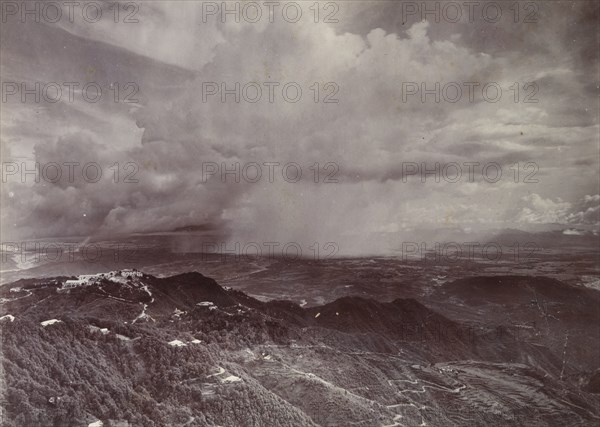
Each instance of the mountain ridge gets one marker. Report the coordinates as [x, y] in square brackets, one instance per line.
[133, 349]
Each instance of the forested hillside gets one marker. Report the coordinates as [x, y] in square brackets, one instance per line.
[183, 351]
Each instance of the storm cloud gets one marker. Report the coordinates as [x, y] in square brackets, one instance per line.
[174, 130]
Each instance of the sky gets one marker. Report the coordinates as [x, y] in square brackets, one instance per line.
[162, 127]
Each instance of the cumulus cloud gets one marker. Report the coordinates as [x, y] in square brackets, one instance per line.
[534, 209]
[586, 211]
[172, 130]
[539, 210]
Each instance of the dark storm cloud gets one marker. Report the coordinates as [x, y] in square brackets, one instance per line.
[170, 131]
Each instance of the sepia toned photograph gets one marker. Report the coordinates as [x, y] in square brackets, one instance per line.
[346, 213]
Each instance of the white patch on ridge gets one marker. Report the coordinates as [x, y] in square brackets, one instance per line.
[205, 304]
[231, 379]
